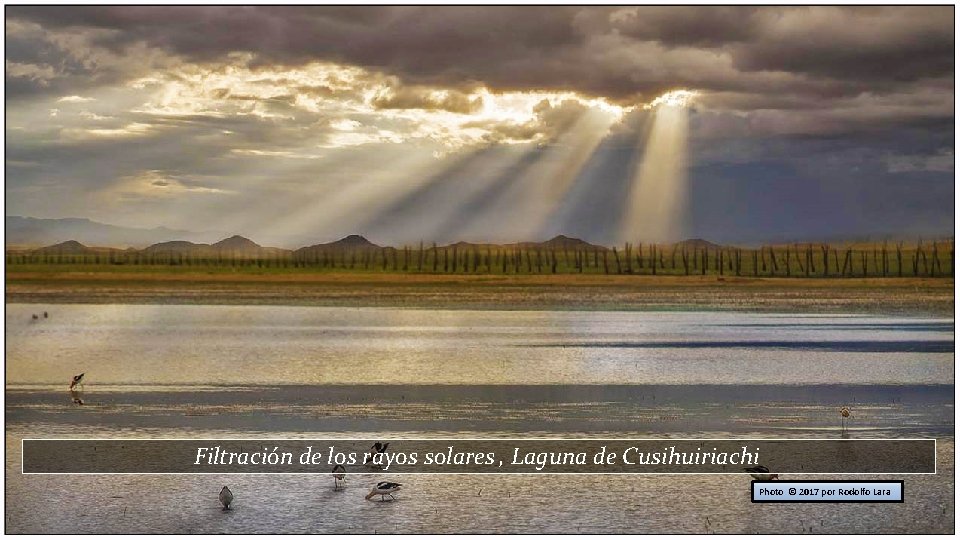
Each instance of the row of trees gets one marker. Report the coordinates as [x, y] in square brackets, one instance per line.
[932, 259]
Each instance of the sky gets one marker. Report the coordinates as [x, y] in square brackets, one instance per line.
[297, 125]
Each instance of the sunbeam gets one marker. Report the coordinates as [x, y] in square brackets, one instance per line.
[591, 209]
[656, 208]
[338, 208]
[530, 200]
[421, 214]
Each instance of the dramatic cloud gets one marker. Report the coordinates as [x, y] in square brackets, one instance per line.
[180, 115]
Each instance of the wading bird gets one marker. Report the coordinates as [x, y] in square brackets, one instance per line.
[761, 473]
[844, 414]
[226, 497]
[383, 489]
[77, 381]
[339, 476]
[378, 448]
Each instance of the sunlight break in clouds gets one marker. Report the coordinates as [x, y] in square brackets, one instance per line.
[156, 185]
[656, 209]
[134, 129]
[360, 106]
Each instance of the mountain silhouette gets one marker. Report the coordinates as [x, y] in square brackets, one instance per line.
[353, 241]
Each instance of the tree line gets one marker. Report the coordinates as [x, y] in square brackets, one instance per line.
[920, 259]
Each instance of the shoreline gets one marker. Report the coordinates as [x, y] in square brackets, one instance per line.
[896, 296]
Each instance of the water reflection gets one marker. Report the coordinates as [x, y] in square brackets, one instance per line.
[238, 345]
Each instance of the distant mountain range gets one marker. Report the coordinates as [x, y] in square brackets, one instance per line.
[26, 233]
[238, 246]
[235, 246]
[76, 236]
[34, 232]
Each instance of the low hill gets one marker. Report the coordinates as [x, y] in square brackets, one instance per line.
[176, 247]
[236, 243]
[234, 246]
[560, 242]
[698, 243]
[238, 246]
[353, 241]
[72, 247]
[470, 245]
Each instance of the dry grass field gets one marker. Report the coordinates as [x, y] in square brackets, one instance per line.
[930, 296]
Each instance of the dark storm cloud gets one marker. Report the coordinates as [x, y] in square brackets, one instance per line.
[849, 43]
[593, 50]
[861, 44]
[69, 61]
[683, 26]
[428, 45]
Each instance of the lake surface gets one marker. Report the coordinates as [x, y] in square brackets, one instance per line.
[258, 345]
[313, 373]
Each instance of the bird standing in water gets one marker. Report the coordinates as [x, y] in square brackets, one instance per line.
[226, 497]
[383, 489]
[844, 414]
[77, 381]
[339, 476]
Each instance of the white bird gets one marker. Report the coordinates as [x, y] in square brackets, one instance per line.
[226, 497]
[339, 476]
[383, 489]
[77, 380]
[761, 473]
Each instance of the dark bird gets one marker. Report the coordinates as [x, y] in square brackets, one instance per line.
[761, 473]
[226, 497]
[378, 448]
[339, 476]
[35, 317]
[77, 380]
[45, 315]
[383, 489]
[844, 414]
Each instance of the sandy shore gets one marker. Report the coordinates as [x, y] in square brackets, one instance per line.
[811, 295]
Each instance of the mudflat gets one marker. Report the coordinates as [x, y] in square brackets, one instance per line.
[921, 296]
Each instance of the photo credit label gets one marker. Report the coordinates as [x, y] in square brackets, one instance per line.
[836, 491]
